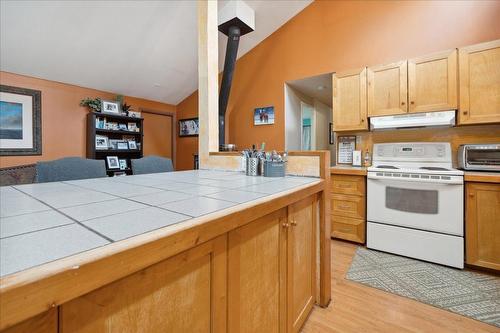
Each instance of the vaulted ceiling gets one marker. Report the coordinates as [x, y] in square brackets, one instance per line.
[145, 49]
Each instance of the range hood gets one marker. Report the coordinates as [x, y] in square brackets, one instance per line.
[414, 120]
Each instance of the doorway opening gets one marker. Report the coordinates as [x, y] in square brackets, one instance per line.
[159, 134]
[308, 114]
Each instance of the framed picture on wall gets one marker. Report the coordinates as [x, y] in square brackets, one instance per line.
[263, 116]
[20, 121]
[189, 127]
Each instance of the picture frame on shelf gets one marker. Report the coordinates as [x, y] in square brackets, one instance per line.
[112, 107]
[189, 127]
[122, 127]
[134, 114]
[101, 142]
[20, 121]
[122, 145]
[123, 164]
[132, 144]
[111, 125]
[113, 162]
[132, 127]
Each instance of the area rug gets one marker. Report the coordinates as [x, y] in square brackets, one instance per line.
[467, 293]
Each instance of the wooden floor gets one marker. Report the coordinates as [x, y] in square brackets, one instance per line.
[357, 308]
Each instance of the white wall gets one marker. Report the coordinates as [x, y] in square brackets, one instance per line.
[293, 125]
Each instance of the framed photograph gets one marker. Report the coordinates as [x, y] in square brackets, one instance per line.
[122, 145]
[111, 125]
[263, 116]
[132, 127]
[113, 162]
[122, 127]
[132, 145]
[134, 114]
[331, 135]
[189, 127]
[123, 164]
[101, 142]
[345, 146]
[110, 107]
[20, 121]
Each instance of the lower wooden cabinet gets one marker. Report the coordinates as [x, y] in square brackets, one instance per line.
[271, 271]
[301, 262]
[348, 207]
[186, 293]
[257, 275]
[482, 225]
[260, 277]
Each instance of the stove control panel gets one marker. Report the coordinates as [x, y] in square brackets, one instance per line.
[412, 151]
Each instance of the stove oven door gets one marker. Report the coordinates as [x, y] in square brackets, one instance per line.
[425, 205]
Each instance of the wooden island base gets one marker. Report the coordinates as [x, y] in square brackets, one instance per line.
[260, 273]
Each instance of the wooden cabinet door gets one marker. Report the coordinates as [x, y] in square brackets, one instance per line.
[482, 225]
[257, 275]
[301, 262]
[387, 89]
[479, 83]
[349, 101]
[432, 82]
[186, 293]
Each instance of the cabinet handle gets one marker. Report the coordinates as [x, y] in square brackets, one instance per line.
[412, 102]
[402, 103]
[285, 225]
[293, 222]
[465, 112]
[362, 120]
[344, 206]
[471, 195]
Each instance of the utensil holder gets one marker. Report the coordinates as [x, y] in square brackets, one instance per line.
[252, 166]
[274, 169]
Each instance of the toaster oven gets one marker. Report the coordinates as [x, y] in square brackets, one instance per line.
[481, 157]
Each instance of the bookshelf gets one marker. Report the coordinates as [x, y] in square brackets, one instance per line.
[109, 125]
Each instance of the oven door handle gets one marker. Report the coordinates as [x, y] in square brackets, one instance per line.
[454, 180]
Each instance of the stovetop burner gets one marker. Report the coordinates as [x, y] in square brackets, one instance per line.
[434, 169]
[387, 167]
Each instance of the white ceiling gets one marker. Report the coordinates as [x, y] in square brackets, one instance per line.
[319, 87]
[145, 49]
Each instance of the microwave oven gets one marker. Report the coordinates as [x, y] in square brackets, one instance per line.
[481, 157]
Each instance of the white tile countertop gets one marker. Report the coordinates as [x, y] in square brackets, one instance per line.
[44, 222]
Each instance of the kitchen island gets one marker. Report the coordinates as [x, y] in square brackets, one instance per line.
[182, 251]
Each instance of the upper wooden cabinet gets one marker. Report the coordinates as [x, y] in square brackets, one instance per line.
[432, 82]
[479, 87]
[349, 101]
[387, 89]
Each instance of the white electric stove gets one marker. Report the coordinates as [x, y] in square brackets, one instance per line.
[415, 202]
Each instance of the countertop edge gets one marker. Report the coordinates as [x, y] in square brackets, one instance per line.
[348, 170]
[482, 177]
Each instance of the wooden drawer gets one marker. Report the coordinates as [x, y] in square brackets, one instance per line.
[345, 184]
[348, 206]
[348, 228]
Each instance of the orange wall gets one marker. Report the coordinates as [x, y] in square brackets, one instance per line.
[63, 119]
[330, 36]
[186, 146]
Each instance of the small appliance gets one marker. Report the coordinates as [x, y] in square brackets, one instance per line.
[481, 157]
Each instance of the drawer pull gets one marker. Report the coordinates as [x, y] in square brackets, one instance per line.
[344, 206]
[344, 185]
